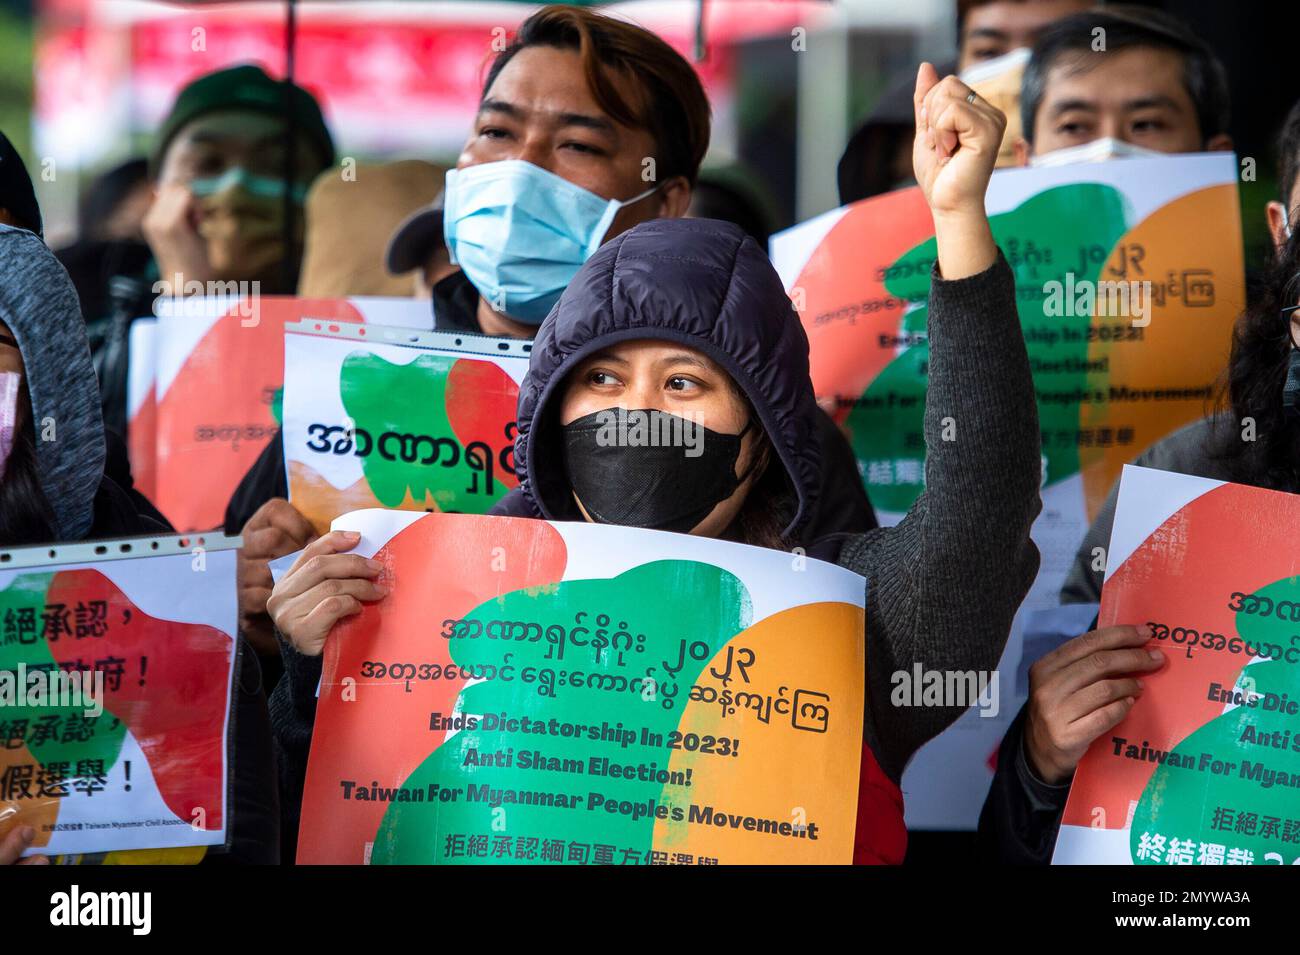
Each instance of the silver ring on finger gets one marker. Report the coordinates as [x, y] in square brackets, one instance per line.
[972, 96]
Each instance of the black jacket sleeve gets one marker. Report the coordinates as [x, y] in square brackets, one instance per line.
[264, 480]
[293, 714]
[255, 800]
[1021, 813]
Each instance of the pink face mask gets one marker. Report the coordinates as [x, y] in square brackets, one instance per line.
[10, 383]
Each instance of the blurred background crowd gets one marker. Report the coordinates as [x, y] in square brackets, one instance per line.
[84, 85]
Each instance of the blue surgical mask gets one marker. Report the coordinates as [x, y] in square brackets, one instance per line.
[520, 233]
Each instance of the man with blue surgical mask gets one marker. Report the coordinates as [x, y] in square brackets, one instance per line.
[556, 163]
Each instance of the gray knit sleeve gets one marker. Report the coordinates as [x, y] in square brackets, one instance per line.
[944, 584]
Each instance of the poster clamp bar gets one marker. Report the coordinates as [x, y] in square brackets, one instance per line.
[466, 342]
[118, 548]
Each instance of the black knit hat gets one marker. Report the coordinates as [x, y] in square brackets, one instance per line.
[16, 192]
[243, 88]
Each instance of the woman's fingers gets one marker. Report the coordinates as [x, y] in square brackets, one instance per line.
[306, 619]
[322, 618]
[323, 586]
[357, 587]
[1081, 690]
[13, 845]
[324, 567]
[970, 125]
[927, 77]
[334, 542]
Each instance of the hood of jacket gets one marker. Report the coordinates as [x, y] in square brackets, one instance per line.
[39, 304]
[701, 283]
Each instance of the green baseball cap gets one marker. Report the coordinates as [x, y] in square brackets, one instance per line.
[242, 88]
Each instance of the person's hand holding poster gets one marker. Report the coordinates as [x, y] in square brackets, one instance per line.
[398, 419]
[532, 692]
[115, 692]
[1205, 768]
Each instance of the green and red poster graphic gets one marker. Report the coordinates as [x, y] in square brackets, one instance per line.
[538, 693]
[115, 690]
[395, 419]
[1129, 275]
[205, 390]
[1205, 770]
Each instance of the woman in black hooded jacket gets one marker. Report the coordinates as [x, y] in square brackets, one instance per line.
[682, 317]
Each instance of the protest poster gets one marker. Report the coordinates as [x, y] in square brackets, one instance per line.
[116, 668]
[219, 368]
[142, 405]
[535, 692]
[384, 417]
[1205, 768]
[1126, 300]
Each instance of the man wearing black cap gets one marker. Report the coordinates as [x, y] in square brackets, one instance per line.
[219, 169]
[418, 247]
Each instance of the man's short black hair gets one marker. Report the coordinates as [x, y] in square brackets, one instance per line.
[673, 106]
[1127, 27]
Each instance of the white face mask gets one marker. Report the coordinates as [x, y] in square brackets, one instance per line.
[1099, 150]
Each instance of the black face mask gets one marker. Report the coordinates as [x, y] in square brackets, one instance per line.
[637, 468]
[1291, 389]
